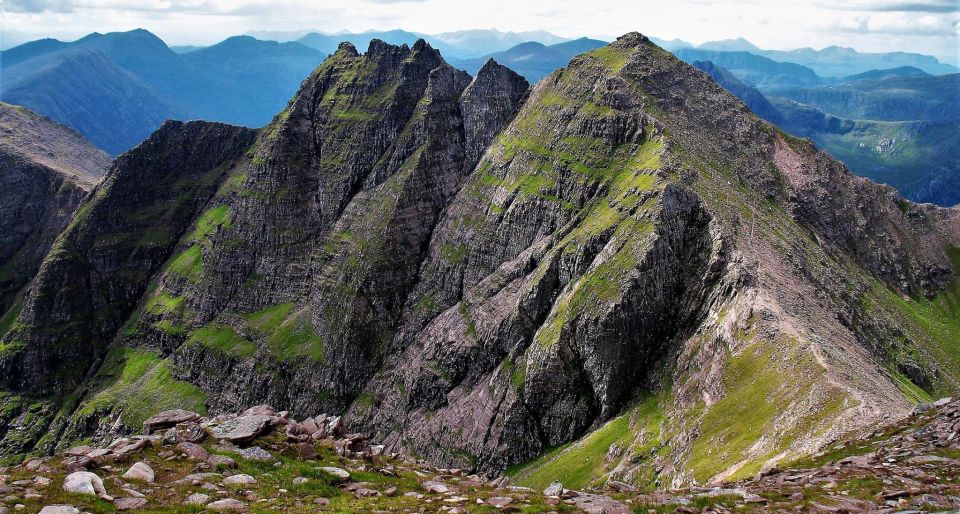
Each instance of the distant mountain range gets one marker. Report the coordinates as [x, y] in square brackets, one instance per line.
[463, 44]
[893, 126]
[534, 60]
[117, 88]
[830, 62]
[891, 123]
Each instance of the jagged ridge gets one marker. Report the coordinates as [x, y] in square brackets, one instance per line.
[634, 243]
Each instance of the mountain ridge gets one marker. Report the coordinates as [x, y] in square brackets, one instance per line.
[478, 277]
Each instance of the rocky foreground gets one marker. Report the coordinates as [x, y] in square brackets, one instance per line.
[262, 460]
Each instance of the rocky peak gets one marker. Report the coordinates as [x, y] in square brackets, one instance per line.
[95, 273]
[46, 170]
[475, 272]
[488, 103]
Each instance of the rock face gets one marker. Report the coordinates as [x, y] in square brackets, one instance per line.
[476, 272]
[46, 170]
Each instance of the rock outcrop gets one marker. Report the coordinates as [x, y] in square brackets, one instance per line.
[623, 257]
[46, 170]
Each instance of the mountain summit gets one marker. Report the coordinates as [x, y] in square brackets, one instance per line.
[623, 257]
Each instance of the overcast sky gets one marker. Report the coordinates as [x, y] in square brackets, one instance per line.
[926, 26]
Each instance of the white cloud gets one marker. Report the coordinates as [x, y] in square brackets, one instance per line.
[926, 26]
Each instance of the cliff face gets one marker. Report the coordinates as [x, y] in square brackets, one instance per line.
[476, 272]
[45, 171]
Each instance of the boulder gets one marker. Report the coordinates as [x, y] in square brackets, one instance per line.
[76, 451]
[85, 482]
[124, 448]
[197, 478]
[140, 471]
[554, 489]
[309, 426]
[239, 479]
[129, 503]
[59, 509]
[169, 418]
[77, 463]
[227, 504]
[435, 487]
[255, 453]
[197, 499]
[221, 461]
[241, 429]
[499, 502]
[339, 473]
[306, 451]
[260, 410]
[193, 451]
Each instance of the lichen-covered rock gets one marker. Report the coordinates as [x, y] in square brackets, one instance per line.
[241, 428]
[168, 419]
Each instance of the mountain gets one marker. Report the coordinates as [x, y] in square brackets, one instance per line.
[462, 44]
[328, 43]
[758, 71]
[835, 61]
[730, 45]
[29, 50]
[535, 60]
[183, 49]
[265, 74]
[749, 95]
[903, 71]
[117, 88]
[621, 271]
[477, 42]
[46, 170]
[913, 156]
[88, 92]
[671, 44]
[891, 98]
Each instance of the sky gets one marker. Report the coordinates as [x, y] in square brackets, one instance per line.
[923, 26]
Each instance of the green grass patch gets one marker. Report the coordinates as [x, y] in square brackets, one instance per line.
[138, 383]
[188, 263]
[9, 317]
[932, 323]
[224, 339]
[453, 253]
[755, 396]
[211, 220]
[611, 57]
[578, 464]
[289, 334]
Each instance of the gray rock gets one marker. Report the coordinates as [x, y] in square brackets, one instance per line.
[168, 419]
[221, 461]
[59, 509]
[241, 429]
[227, 504]
[197, 499]
[435, 487]
[140, 471]
[255, 453]
[129, 503]
[239, 479]
[193, 451]
[85, 482]
[498, 502]
[338, 473]
[554, 489]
